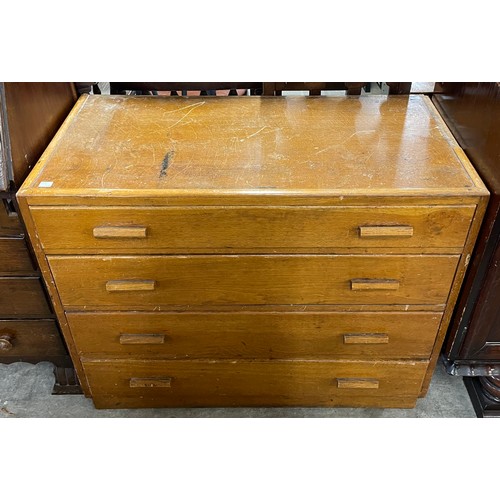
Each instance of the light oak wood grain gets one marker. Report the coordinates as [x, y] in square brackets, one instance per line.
[75, 198]
[136, 382]
[367, 338]
[258, 214]
[209, 229]
[233, 280]
[261, 144]
[119, 232]
[374, 284]
[255, 335]
[48, 279]
[385, 231]
[130, 285]
[254, 383]
[455, 290]
[142, 338]
[357, 383]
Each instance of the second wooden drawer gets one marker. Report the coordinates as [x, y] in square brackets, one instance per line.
[149, 282]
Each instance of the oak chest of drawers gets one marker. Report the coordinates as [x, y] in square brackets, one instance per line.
[253, 251]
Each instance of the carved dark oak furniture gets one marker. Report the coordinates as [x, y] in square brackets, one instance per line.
[472, 111]
[30, 115]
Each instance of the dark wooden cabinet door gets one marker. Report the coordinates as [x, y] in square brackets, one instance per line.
[32, 112]
[472, 111]
[30, 115]
[484, 344]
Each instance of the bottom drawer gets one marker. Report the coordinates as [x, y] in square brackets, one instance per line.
[134, 384]
[27, 340]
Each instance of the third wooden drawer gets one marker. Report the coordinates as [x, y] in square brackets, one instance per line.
[249, 335]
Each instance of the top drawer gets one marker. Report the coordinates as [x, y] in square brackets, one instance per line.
[252, 229]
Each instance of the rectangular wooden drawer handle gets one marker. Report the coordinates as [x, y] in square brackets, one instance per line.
[385, 231]
[151, 382]
[119, 232]
[357, 383]
[142, 338]
[374, 284]
[366, 338]
[130, 285]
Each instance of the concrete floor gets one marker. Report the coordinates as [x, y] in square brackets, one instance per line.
[25, 392]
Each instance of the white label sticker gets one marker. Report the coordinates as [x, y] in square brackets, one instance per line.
[45, 184]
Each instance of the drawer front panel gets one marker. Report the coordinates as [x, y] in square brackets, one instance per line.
[37, 338]
[22, 297]
[14, 256]
[255, 335]
[205, 229]
[149, 282]
[253, 383]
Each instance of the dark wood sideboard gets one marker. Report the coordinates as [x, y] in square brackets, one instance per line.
[30, 115]
[472, 111]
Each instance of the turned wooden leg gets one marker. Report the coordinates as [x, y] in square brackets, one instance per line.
[491, 387]
[66, 381]
[484, 394]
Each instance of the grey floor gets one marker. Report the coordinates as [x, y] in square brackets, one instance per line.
[25, 392]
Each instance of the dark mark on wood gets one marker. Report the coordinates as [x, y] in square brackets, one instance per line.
[166, 163]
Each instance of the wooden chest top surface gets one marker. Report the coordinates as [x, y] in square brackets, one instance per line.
[253, 146]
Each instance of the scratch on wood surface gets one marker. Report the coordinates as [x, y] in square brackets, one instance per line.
[193, 107]
[371, 131]
[154, 153]
[108, 169]
[259, 131]
[344, 141]
[255, 133]
[179, 172]
[325, 149]
[166, 163]
[184, 107]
